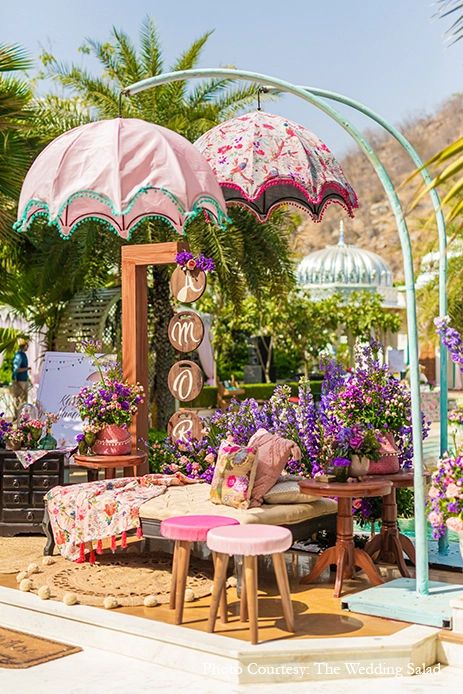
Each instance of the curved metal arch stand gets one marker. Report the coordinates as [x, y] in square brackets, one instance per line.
[442, 236]
[422, 572]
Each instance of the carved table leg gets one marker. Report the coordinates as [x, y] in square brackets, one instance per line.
[46, 527]
[390, 544]
[344, 554]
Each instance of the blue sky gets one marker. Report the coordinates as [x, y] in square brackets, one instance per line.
[390, 54]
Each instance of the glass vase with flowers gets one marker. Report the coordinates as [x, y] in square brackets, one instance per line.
[354, 448]
[25, 435]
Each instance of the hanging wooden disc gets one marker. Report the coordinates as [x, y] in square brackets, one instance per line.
[185, 331]
[188, 285]
[185, 380]
[184, 425]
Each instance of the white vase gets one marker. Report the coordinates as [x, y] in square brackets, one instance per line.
[359, 465]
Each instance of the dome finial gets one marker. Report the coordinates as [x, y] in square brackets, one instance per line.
[341, 241]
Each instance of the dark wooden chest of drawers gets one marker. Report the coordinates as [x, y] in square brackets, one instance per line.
[22, 491]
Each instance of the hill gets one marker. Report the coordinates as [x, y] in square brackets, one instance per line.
[374, 225]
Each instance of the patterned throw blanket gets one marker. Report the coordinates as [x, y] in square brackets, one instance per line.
[84, 513]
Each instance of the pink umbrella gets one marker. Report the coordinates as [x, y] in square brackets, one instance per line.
[262, 160]
[119, 172]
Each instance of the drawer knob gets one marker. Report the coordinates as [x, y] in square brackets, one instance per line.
[16, 483]
[45, 483]
[30, 516]
[16, 498]
[17, 466]
[45, 466]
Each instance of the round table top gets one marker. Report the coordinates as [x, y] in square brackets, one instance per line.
[135, 458]
[371, 487]
[403, 478]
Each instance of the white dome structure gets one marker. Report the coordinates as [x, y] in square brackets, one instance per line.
[345, 268]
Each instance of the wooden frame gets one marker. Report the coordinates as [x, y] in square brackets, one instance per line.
[135, 260]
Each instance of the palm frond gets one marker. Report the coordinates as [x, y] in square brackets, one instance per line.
[13, 57]
[444, 10]
[128, 68]
[150, 49]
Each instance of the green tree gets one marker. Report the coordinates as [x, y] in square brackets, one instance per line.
[15, 151]
[449, 161]
[299, 328]
[248, 256]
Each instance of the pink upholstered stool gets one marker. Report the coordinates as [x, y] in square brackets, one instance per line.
[185, 530]
[251, 541]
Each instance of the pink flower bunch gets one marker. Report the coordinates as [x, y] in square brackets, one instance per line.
[445, 496]
[28, 431]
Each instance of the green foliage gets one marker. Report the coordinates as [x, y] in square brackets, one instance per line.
[259, 391]
[300, 328]
[428, 295]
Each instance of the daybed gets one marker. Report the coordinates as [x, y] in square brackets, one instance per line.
[302, 519]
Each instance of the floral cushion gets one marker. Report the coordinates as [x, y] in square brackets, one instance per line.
[234, 475]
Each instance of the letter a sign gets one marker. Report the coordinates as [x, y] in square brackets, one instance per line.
[188, 285]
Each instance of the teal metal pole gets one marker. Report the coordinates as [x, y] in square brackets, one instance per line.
[422, 572]
[442, 236]
[443, 542]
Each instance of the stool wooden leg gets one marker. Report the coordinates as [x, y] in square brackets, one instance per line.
[281, 575]
[223, 596]
[220, 577]
[243, 598]
[250, 576]
[173, 583]
[182, 565]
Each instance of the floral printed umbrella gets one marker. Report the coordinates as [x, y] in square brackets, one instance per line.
[262, 160]
[119, 172]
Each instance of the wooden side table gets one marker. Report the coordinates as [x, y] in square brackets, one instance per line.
[389, 544]
[109, 463]
[343, 554]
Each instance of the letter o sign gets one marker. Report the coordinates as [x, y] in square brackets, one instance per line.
[185, 381]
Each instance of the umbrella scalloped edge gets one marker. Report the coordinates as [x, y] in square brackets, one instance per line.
[204, 203]
[322, 201]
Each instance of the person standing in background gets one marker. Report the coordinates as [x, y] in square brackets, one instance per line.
[20, 376]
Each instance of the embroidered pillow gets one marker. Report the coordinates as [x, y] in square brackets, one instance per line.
[234, 475]
[274, 452]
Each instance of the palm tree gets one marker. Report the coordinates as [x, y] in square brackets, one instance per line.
[15, 150]
[449, 161]
[248, 255]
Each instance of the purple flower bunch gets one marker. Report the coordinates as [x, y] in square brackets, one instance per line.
[27, 432]
[280, 415]
[356, 440]
[371, 396]
[451, 338]
[187, 261]
[109, 402]
[445, 497]
[5, 428]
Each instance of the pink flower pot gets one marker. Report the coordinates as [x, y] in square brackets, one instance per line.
[112, 440]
